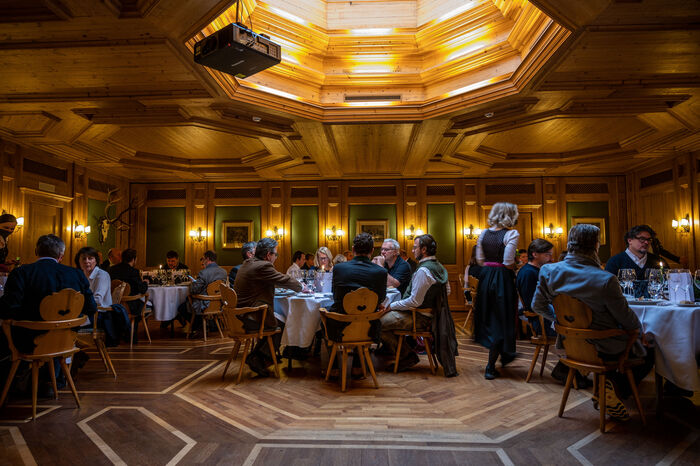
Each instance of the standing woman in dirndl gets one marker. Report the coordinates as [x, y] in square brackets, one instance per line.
[497, 299]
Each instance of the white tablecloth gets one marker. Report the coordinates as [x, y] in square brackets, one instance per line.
[166, 300]
[676, 331]
[302, 318]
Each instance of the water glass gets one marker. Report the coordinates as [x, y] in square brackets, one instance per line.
[627, 277]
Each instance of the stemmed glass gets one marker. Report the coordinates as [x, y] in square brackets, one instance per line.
[627, 277]
[310, 276]
[654, 283]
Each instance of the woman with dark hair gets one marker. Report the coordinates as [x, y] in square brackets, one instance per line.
[496, 298]
[8, 223]
[87, 259]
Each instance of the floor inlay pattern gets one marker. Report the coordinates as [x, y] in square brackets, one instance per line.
[169, 405]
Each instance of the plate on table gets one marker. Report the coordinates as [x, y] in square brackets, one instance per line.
[283, 292]
[688, 304]
[643, 302]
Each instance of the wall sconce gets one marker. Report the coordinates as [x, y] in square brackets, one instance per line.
[411, 232]
[551, 232]
[80, 231]
[277, 233]
[472, 233]
[20, 223]
[683, 225]
[334, 234]
[198, 235]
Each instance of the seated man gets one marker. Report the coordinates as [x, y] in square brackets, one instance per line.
[114, 256]
[428, 289]
[539, 252]
[297, 262]
[247, 252]
[637, 255]
[399, 271]
[579, 275]
[126, 272]
[172, 260]
[210, 272]
[255, 285]
[308, 262]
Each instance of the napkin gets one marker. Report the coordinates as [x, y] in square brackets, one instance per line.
[679, 287]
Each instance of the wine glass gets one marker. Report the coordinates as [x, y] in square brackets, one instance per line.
[310, 277]
[654, 283]
[626, 277]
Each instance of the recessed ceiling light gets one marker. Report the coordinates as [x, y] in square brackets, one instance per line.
[488, 114]
[257, 119]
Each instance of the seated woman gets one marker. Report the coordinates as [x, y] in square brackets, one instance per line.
[323, 260]
[87, 260]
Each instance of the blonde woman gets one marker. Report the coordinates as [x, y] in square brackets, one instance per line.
[496, 306]
[323, 260]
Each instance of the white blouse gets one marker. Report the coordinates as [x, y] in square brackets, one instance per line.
[511, 242]
[101, 287]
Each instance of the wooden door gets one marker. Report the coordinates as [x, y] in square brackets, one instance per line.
[45, 219]
[524, 227]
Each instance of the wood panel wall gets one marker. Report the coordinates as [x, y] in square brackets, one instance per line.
[666, 191]
[35, 184]
[541, 200]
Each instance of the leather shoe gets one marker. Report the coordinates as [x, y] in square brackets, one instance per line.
[257, 366]
[491, 373]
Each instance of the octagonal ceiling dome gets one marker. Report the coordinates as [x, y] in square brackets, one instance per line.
[390, 59]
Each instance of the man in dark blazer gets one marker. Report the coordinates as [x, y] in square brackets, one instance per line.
[360, 272]
[255, 285]
[29, 284]
[114, 256]
[126, 272]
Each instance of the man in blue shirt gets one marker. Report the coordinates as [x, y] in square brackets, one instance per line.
[399, 272]
[539, 252]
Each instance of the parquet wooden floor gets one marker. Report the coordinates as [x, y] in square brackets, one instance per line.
[169, 405]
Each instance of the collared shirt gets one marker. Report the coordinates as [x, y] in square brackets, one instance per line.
[420, 283]
[100, 284]
[52, 258]
[641, 262]
[293, 268]
[401, 271]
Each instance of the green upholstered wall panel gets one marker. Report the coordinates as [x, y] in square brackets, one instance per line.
[441, 224]
[165, 230]
[96, 209]
[235, 213]
[592, 209]
[304, 232]
[371, 212]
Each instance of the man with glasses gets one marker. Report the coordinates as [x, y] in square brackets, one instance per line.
[255, 285]
[210, 273]
[637, 255]
[399, 272]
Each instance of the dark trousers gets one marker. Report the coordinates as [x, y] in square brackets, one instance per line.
[639, 372]
[262, 348]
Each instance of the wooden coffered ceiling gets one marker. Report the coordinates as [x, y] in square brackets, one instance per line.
[545, 87]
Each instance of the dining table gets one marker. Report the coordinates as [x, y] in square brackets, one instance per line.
[302, 317]
[675, 330]
[166, 300]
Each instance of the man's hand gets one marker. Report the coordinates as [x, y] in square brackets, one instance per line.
[379, 260]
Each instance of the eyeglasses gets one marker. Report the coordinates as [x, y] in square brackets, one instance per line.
[387, 249]
[643, 239]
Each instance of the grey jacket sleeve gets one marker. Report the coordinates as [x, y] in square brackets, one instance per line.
[542, 300]
[617, 305]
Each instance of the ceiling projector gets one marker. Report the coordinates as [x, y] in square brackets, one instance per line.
[238, 51]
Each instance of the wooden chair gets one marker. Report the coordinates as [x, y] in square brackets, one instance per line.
[472, 286]
[573, 322]
[98, 334]
[235, 330]
[60, 312]
[360, 306]
[415, 333]
[541, 341]
[212, 312]
[144, 313]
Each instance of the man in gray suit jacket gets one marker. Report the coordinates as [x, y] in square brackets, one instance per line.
[210, 273]
[580, 276]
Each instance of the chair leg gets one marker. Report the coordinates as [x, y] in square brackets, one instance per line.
[368, 358]
[331, 358]
[466, 321]
[205, 324]
[273, 355]
[544, 359]
[344, 368]
[361, 354]
[52, 374]
[35, 385]
[533, 363]
[101, 353]
[131, 343]
[633, 386]
[601, 401]
[398, 354]
[145, 327]
[8, 382]
[429, 353]
[108, 358]
[231, 357]
[66, 372]
[246, 347]
[216, 321]
[567, 388]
